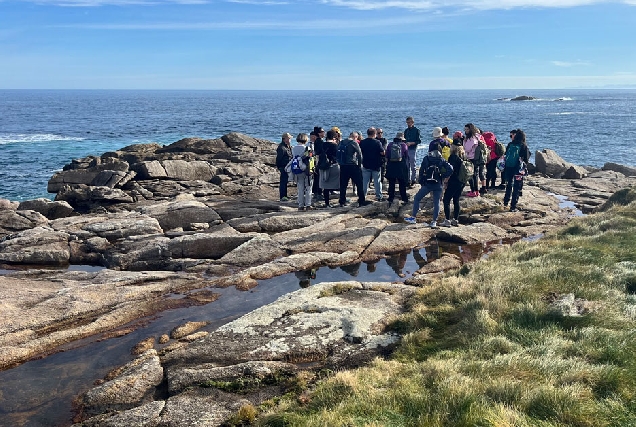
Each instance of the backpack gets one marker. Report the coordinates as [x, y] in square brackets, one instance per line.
[466, 171]
[482, 153]
[297, 165]
[432, 174]
[512, 155]
[395, 153]
[446, 152]
[309, 160]
[500, 150]
[341, 154]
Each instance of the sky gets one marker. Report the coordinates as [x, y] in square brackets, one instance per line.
[317, 44]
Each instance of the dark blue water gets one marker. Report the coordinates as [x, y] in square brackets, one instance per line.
[42, 130]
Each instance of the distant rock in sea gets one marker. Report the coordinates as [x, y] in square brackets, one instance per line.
[523, 98]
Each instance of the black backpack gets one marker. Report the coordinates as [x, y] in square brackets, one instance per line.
[432, 175]
[341, 154]
[395, 153]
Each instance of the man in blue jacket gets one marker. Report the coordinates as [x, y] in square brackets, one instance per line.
[434, 170]
[412, 139]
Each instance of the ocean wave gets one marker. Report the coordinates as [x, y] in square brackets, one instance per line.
[16, 138]
[567, 113]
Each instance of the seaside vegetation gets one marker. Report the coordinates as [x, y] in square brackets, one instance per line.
[541, 333]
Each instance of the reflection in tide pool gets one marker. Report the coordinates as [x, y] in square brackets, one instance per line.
[40, 392]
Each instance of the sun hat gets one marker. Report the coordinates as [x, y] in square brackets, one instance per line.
[437, 132]
[288, 135]
[400, 135]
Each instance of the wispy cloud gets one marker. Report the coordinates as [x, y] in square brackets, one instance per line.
[566, 64]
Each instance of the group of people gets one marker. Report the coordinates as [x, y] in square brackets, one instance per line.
[322, 163]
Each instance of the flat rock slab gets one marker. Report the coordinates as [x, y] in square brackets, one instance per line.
[473, 233]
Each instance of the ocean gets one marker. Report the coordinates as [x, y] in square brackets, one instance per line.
[43, 130]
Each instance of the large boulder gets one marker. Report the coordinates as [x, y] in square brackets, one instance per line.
[181, 214]
[549, 163]
[195, 145]
[12, 221]
[83, 198]
[48, 208]
[205, 246]
[180, 170]
[36, 246]
[84, 175]
[625, 170]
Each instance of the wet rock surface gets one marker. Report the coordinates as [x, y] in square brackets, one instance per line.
[200, 214]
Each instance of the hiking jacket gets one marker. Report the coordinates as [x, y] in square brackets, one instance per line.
[470, 145]
[283, 155]
[398, 170]
[456, 162]
[371, 150]
[445, 169]
[412, 135]
[353, 155]
[524, 152]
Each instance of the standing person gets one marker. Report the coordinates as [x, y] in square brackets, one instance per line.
[350, 161]
[433, 172]
[283, 156]
[502, 186]
[320, 135]
[454, 186]
[397, 167]
[329, 167]
[491, 166]
[446, 148]
[517, 157]
[304, 180]
[413, 139]
[471, 141]
[380, 137]
[372, 155]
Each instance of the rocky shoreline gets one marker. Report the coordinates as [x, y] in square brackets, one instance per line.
[200, 214]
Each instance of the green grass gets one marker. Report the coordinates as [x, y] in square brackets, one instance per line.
[488, 347]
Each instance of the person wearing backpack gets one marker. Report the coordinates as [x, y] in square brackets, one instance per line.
[517, 157]
[433, 171]
[397, 167]
[491, 164]
[283, 157]
[305, 179]
[471, 144]
[454, 186]
[349, 158]
[329, 167]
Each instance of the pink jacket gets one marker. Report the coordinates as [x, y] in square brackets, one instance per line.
[470, 145]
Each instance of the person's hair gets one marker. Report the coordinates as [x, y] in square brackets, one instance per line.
[332, 134]
[445, 131]
[371, 131]
[313, 133]
[472, 130]
[302, 138]
[520, 137]
[409, 118]
[458, 150]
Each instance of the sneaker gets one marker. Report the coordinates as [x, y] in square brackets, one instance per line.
[454, 223]
[445, 223]
[513, 210]
[302, 208]
[410, 220]
[472, 194]
[433, 224]
[482, 191]
[284, 199]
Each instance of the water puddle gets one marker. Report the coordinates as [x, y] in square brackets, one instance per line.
[40, 392]
[564, 203]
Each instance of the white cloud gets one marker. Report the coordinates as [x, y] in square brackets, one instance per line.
[566, 64]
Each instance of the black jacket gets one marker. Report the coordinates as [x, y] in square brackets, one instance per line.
[283, 155]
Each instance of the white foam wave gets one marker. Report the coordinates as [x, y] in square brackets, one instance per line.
[567, 113]
[14, 138]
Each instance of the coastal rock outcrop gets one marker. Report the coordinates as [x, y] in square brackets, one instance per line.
[549, 163]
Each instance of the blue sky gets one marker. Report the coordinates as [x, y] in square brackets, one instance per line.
[317, 44]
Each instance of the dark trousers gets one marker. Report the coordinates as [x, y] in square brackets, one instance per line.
[353, 173]
[453, 192]
[491, 173]
[315, 188]
[513, 187]
[282, 187]
[402, 187]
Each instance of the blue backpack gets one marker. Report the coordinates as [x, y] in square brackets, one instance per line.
[512, 155]
[297, 165]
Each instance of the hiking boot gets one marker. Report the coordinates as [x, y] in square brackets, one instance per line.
[482, 191]
[454, 223]
[284, 199]
[302, 208]
[445, 223]
[433, 224]
[365, 203]
[410, 220]
[513, 210]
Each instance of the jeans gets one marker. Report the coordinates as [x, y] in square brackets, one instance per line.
[413, 176]
[513, 185]
[354, 173]
[437, 195]
[282, 186]
[367, 174]
[304, 183]
[453, 192]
